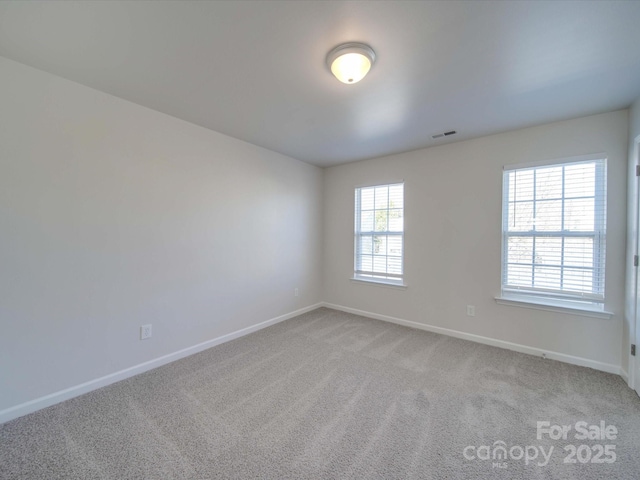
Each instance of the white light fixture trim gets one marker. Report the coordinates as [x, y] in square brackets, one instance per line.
[350, 62]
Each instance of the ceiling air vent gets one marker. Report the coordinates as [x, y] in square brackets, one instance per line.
[445, 134]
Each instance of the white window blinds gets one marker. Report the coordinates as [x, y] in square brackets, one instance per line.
[379, 233]
[554, 221]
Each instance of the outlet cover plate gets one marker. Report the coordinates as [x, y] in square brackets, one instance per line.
[145, 332]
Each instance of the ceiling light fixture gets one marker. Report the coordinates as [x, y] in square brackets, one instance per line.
[350, 62]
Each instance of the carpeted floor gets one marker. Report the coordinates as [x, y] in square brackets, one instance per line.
[333, 395]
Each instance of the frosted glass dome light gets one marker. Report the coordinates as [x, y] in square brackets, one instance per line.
[350, 62]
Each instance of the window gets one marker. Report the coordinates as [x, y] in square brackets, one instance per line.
[379, 233]
[553, 233]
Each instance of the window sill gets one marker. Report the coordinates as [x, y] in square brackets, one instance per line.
[551, 306]
[379, 283]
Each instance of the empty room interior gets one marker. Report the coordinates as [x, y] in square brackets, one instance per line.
[319, 239]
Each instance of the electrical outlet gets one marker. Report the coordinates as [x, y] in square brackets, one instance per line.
[471, 310]
[145, 332]
[295, 292]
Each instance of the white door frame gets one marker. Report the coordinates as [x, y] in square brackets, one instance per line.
[634, 321]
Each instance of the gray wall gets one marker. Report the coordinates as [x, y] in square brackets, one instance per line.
[453, 237]
[113, 215]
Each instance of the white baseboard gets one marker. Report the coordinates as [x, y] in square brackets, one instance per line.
[624, 375]
[583, 362]
[77, 390]
[62, 395]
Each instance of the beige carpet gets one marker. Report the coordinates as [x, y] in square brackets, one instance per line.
[332, 395]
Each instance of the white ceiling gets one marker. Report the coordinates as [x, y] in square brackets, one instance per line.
[256, 70]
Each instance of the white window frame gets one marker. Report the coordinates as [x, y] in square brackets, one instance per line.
[559, 300]
[386, 279]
